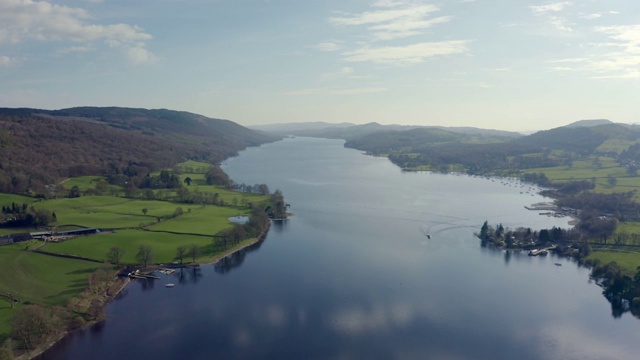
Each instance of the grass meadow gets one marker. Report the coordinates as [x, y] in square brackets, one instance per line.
[40, 278]
[628, 261]
[163, 245]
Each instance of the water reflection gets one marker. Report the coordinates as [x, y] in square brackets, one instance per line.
[236, 259]
[147, 284]
[507, 257]
[188, 274]
[279, 226]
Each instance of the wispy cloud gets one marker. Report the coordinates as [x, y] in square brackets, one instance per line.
[330, 91]
[621, 61]
[499, 70]
[409, 54]
[591, 16]
[8, 61]
[28, 20]
[551, 10]
[393, 19]
[76, 49]
[346, 72]
[328, 46]
[390, 20]
[551, 7]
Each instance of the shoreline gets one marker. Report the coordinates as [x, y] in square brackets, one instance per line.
[109, 297]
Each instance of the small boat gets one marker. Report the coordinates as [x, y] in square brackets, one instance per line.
[170, 285]
[428, 236]
[558, 264]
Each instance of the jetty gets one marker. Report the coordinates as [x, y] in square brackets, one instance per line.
[542, 206]
[542, 251]
[140, 275]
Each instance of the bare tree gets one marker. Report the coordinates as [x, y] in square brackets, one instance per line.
[30, 325]
[145, 254]
[115, 255]
[194, 251]
[181, 252]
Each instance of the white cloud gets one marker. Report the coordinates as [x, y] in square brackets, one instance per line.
[28, 20]
[345, 72]
[393, 19]
[410, 54]
[8, 61]
[405, 28]
[499, 70]
[138, 55]
[76, 49]
[559, 23]
[552, 7]
[570, 60]
[328, 46]
[387, 3]
[621, 61]
[591, 16]
[627, 35]
[330, 91]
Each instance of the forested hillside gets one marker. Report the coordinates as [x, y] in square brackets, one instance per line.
[42, 147]
[441, 149]
[351, 132]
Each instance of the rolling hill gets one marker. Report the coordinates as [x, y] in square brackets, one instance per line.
[41, 147]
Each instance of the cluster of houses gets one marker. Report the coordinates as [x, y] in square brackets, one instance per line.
[45, 235]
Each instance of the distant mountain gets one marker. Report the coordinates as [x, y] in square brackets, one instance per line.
[589, 123]
[581, 139]
[444, 149]
[41, 147]
[287, 128]
[483, 132]
[349, 131]
[419, 138]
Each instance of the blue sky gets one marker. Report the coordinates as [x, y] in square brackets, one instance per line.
[505, 64]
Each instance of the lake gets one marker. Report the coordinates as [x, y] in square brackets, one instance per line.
[351, 275]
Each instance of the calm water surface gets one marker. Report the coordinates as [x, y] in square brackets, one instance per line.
[352, 275]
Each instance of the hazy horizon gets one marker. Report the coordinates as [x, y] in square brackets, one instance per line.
[516, 66]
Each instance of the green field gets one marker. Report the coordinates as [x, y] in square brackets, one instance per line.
[85, 183]
[163, 244]
[107, 211]
[590, 170]
[51, 280]
[583, 170]
[206, 220]
[628, 261]
[194, 167]
[6, 314]
[7, 199]
[40, 278]
[615, 145]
